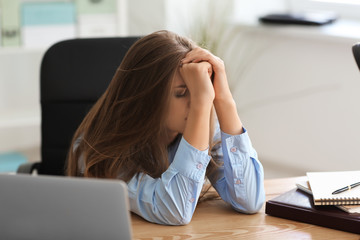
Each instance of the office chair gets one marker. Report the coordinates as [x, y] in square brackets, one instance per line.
[74, 74]
[356, 52]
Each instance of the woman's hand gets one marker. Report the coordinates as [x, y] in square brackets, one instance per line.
[224, 103]
[196, 77]
[220, 83]
[198, 82]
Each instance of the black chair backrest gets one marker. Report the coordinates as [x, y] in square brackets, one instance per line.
[356, 52]
[74, 74]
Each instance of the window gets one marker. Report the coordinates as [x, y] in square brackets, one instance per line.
[356, 2]
[346, 9]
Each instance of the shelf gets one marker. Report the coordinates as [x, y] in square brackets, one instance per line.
[20, 50]
[341, 30]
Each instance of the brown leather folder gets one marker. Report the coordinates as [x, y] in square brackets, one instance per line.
[298, 206]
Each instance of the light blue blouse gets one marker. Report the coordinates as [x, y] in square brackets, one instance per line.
[172, 198]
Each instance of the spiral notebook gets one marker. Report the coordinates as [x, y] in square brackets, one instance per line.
[324, 183]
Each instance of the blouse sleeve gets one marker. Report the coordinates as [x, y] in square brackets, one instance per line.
[172, 198]
[240, 181]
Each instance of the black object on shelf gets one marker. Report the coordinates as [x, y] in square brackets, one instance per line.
[356, 52]
[299, 18]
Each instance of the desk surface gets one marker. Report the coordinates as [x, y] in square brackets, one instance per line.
[214, 219]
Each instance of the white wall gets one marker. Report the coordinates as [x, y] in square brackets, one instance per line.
[20, 101]
[246, 10]
[300, 101]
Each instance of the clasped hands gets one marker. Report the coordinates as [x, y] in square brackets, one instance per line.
[196, 70]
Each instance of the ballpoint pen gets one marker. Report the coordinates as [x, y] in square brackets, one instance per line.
[346, 188]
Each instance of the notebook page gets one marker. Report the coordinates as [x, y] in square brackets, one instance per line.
[305, 187]
[324, 183]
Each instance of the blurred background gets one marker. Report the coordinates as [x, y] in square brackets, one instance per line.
[296, 85]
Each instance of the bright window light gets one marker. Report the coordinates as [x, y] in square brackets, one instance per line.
[340, 1]
[345, 9]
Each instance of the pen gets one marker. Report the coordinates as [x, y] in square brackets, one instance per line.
[346, 188]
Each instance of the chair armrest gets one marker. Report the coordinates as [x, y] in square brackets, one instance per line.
[28, 167]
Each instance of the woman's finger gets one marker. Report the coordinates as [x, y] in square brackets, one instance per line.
[200, 55]
[197, 55]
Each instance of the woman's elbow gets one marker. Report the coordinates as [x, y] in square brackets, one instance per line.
[253, 208]
[254, 201]
[172, 219]
[184, 221]
[248, 209]
[250, 206]
[177, 221]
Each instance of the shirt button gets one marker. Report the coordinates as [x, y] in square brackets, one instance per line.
[192, 200]
[199, 166]
[233, 149]
[237, 181]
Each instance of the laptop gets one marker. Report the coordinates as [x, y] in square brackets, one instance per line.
[49, 207]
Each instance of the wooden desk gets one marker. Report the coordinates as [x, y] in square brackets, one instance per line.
[215, 219]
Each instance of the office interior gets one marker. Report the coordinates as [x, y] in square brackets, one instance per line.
[296, 86]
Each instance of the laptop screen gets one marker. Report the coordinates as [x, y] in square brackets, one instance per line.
[46, 207]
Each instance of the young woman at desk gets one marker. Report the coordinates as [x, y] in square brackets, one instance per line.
[155, 128]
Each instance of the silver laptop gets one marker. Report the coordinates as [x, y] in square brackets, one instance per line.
[46, 207]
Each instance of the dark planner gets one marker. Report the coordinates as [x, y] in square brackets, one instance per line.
[298, 206]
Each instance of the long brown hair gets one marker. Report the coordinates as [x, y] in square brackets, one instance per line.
[123, 131]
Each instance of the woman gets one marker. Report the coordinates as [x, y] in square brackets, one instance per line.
[155, 129]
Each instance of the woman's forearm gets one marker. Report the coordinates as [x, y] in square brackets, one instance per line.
[229, 120]
[197, 127]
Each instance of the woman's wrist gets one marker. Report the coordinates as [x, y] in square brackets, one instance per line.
[229, 120]
[202, 100]
[225, 102]
[197, 127]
